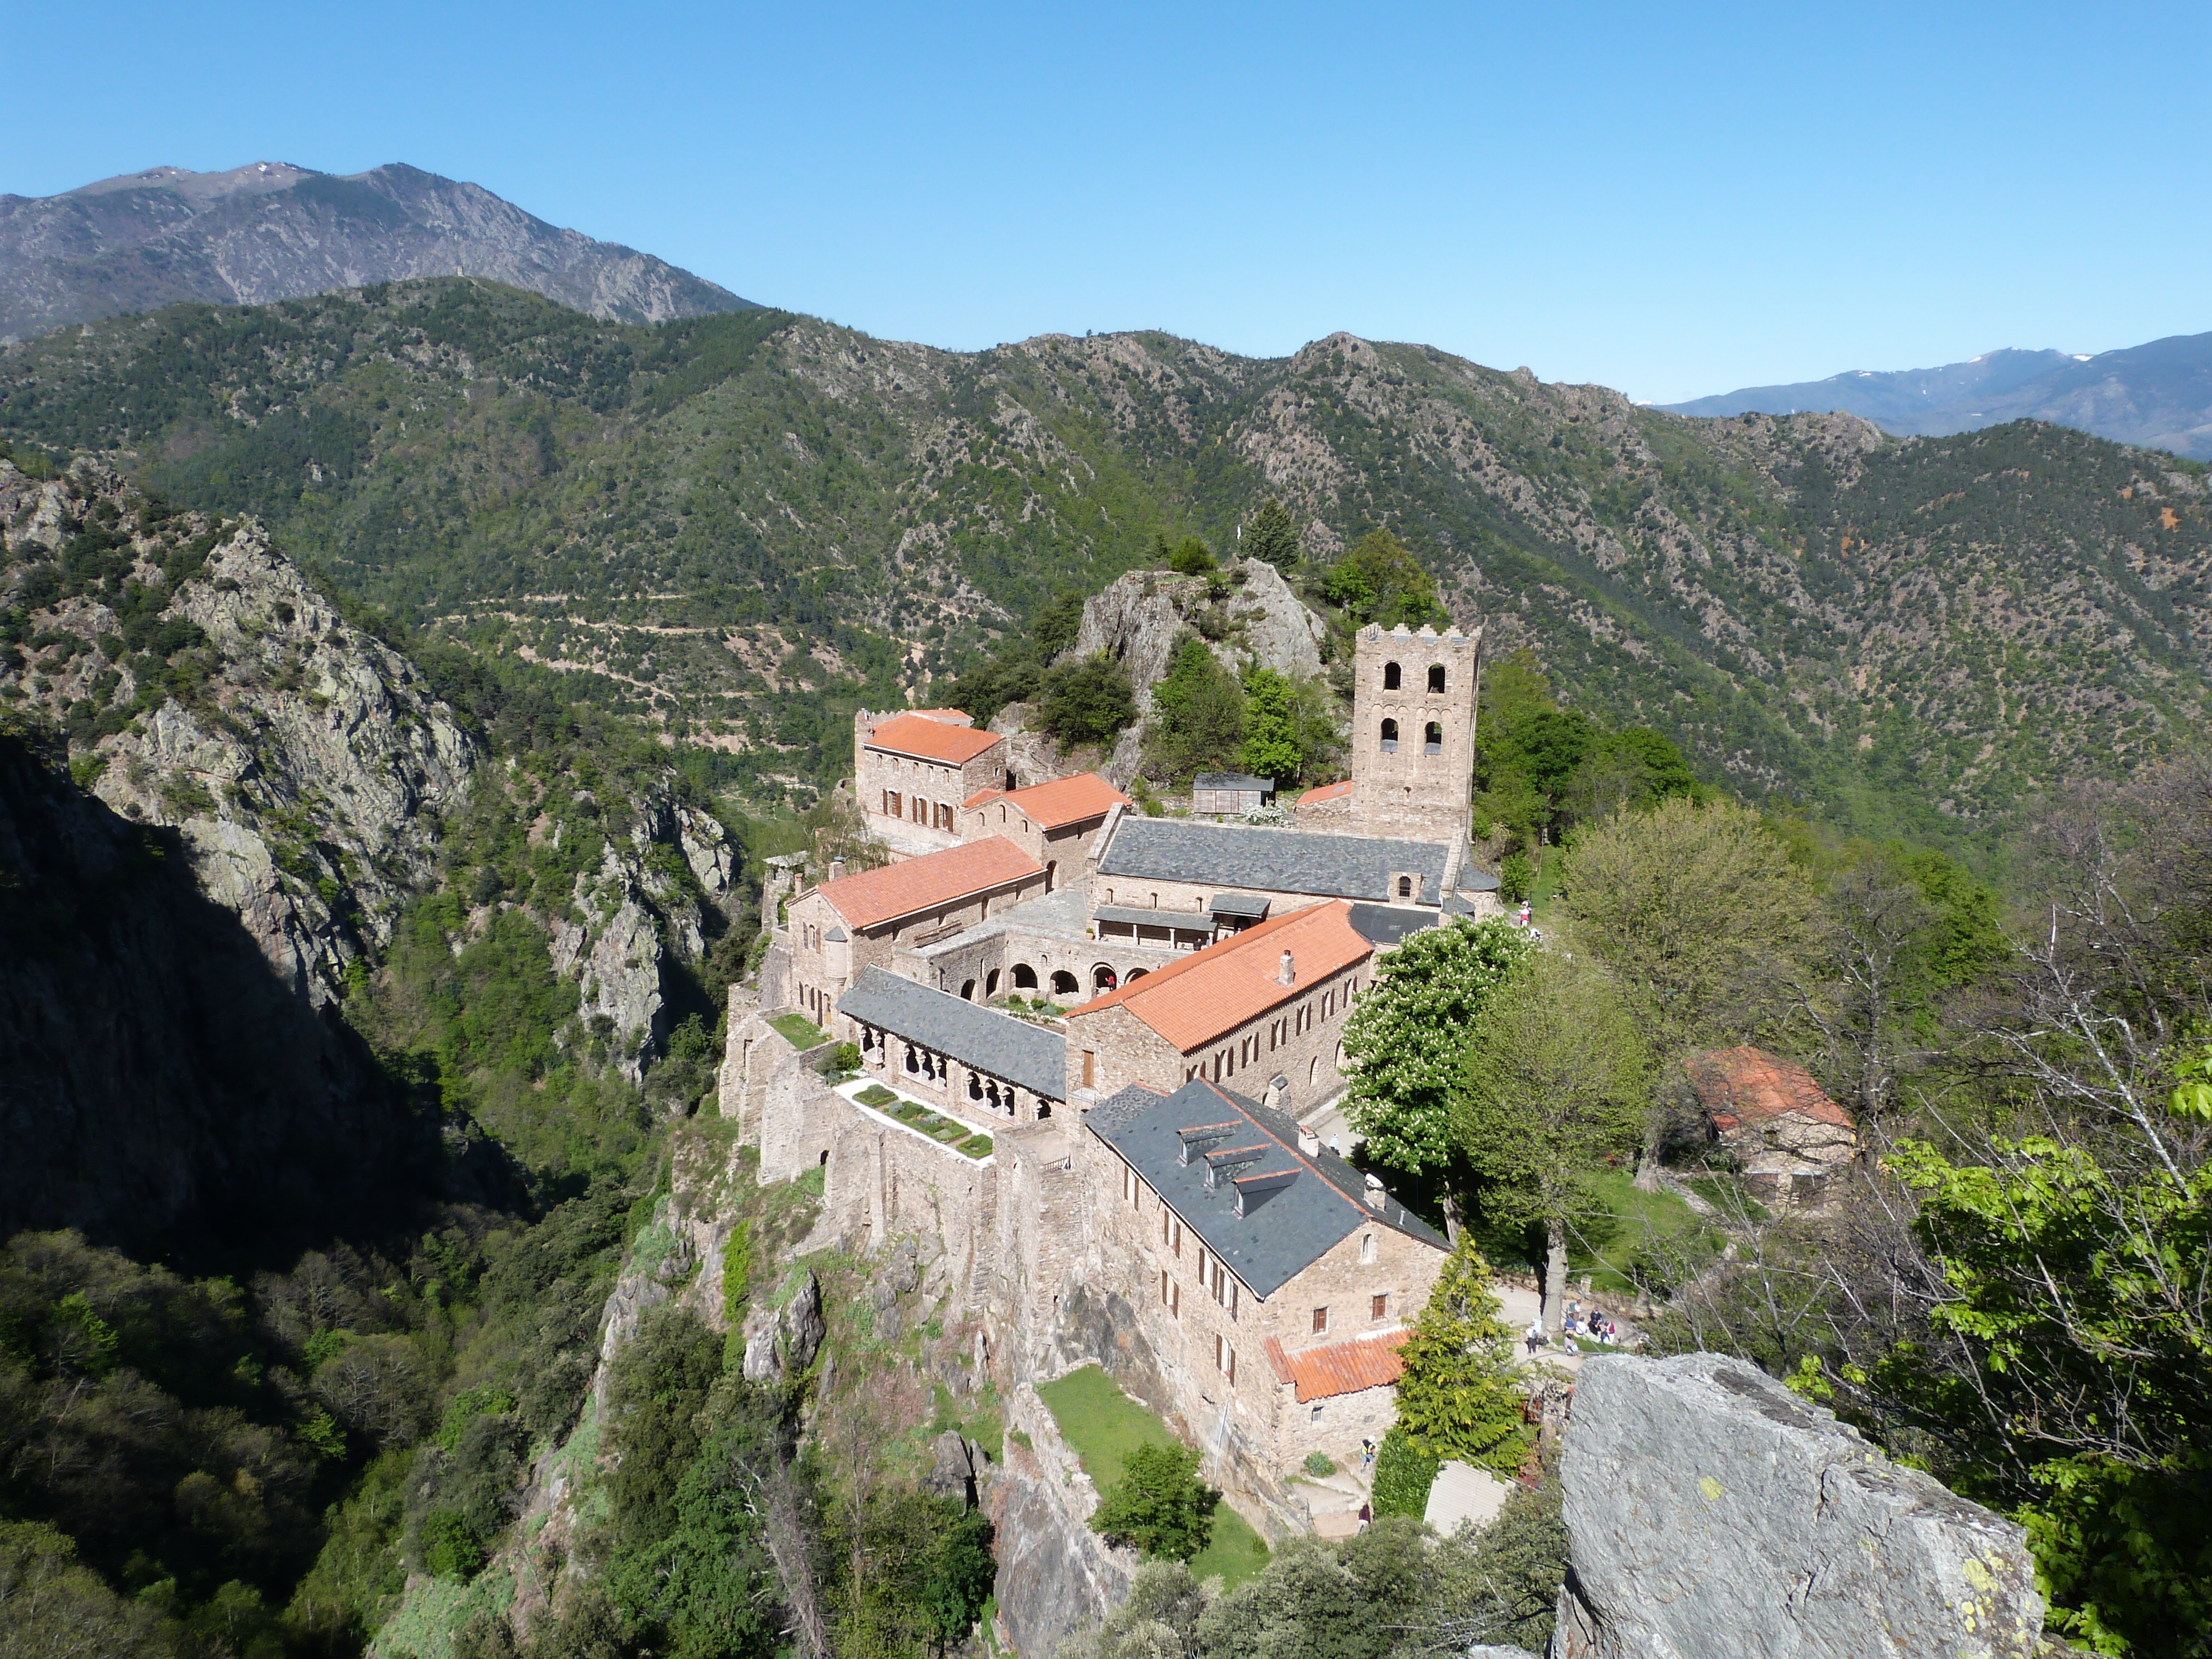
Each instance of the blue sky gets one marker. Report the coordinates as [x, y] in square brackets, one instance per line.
[1674, 201]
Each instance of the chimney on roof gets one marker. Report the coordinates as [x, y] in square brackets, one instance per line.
[1375, 1194]
[1286, 971]
[1309, 1142]
[836, 869]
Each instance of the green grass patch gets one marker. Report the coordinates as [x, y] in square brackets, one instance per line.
[799, 1031]
[1103, 1425]
[875, 1095]
[976, 1145]
[1728, 1197]
[1637, 1225]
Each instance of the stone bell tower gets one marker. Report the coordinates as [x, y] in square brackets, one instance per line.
[1412, 731]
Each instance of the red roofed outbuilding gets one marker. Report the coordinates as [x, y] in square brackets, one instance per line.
[1782, 1127]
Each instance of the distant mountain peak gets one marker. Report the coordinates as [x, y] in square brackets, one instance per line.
[2158, 395]
[275, 230]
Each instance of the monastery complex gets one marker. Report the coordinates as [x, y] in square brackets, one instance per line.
[1142, 1019]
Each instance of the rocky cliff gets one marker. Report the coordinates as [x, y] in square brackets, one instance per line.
[207, 687]
[1248, 611]
[272, 231]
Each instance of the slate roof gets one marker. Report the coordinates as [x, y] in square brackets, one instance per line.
[1749, 1085]
[1364, 1362]
[1216, 989]
[1241, 782]
[1385, 925]
[1286, 1227]
[932, 739]
[1239, 904]
[1268, 860]
[1067, 800]
[875, 896]
[1032, 1056]
[1191, 921]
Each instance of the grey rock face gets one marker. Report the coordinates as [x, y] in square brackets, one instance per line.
[760, 1356]
[269, 232]
[305, 774]
[803, 1326]
[1712, 1511]
[1142, 617]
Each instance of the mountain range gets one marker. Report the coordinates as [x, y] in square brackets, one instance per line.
[699, 519]
[2158, 396]
[271, 231]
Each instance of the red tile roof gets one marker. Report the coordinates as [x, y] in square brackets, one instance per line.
[1327, 792]
[949, 716]
[932, 739]
[1749, 1085]
[981, 797]
[1364, 1362]
[1068, 800]
[875, 896]
[1214, 991]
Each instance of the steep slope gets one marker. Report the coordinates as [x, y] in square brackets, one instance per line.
[271, 231]
[2159, 395]
[701, 519]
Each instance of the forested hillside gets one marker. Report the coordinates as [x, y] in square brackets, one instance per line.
[696, 518]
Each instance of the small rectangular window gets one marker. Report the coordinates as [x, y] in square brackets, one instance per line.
[1320, 1321]
[1383, 1306]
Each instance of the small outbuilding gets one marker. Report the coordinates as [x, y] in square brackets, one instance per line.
[1230, 794]
[1781, 1125]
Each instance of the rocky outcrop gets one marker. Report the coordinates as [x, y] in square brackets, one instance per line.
[1709, 1511]
[270, 231]
[1141, 619]
[1055, 1575]
[784, 1341]
[206, 686]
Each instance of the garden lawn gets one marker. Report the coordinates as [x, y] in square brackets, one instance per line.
[1640, 1219]
[800, 1031]
[1104, 1426]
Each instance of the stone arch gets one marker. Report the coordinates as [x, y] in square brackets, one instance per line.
[991, 983]
[913, 1062]
[967, 990]
[1136, 974]
[1389, 737]
[1389, 677]
[1436, 677]
[975, 1086]
[1103, 978]
[1432, 738]
[1044, 1110]
[1404, 887]
[1052, 876]
[1312, 1071]
[1024, 977]
[1065, 984]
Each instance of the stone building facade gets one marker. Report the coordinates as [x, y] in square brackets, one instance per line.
[1787, 1135]
[1263, 1011]
[835, 930]
[1056, 824]
[912, 772]
[1253, 1259]
[967, 1061]
[1412, 731]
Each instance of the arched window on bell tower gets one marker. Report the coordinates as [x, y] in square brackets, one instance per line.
[1389, 737]
[1432, 740]
[1436, 677]
[1389, 677]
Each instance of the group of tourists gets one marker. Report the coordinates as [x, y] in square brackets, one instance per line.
[1594, 1328]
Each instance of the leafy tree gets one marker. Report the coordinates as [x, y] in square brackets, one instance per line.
[1159, 1504]
[1698, 911]
[1089, 701]
[1505, 1590]
[1198, 716]
[1379, 580]
[1517, 877]
[1273, 536]
[1460, 1395]
[1558, 1083]
[1403, 1475]
[1271, 726]
[1191, 557]
[1054, 628]
[1408, 1040]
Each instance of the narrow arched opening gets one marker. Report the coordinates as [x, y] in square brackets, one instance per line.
[1389, 737]
[1389, 677]
[967, 990]
[1404, 887]
[1436, 677]
[1024, 977]
[991, 983]
[1432, 740]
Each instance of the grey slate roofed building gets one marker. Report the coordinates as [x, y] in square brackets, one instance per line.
[1270, 860]
[1026, 1055]
[1274, 1229]
[1385, 925]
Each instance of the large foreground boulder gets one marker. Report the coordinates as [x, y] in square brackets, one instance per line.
[1712, 1512]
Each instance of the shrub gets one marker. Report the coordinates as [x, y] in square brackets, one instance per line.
[875, 1095]
[450, 1550]
[1159, 1504]
[1516, 878]
[976, 1145]
[1190, 558]
[1403, 1476]
[846, 1057]
[1319, 1463]
[1088, 702]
